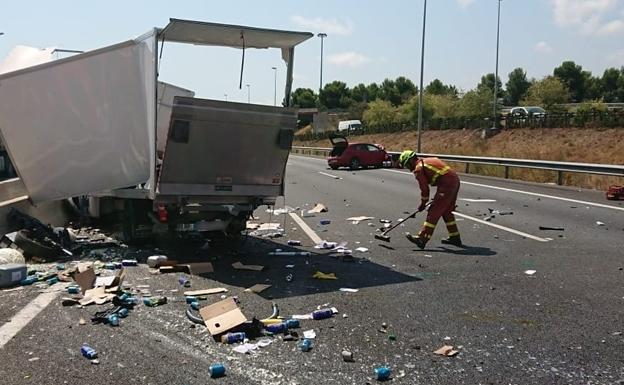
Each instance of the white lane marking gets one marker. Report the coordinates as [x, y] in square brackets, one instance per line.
[513, 231]
[306, 229]
[24, 316]
[329, 175]
[477, 200]
[531, 193]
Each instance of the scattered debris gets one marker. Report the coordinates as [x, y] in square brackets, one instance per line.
[318, 208]
[291, 253]
[285, 210]
[598, 223]
[357, 220]
[12, 274]
[348, 290]
[293, 242]
[306, 345]
[477, 200]
[309, 334]
[347, 356]
[240, 266]
[551, 228]
[248, 348]
[215, 290]
[382, 373]
[362, 249]
[258, 288]
[216, 370]
[324, 222]
[530, 272]
[321, 275]
[156, 261]
[268, 230]
[446, 350]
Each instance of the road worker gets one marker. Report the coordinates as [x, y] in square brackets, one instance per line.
[434, 172]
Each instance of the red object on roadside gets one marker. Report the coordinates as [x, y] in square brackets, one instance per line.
[163, 216]
[615, 193]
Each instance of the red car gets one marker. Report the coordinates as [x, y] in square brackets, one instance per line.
[356, 155]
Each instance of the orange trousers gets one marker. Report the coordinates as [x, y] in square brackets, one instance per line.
[444, 203]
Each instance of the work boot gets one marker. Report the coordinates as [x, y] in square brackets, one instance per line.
[420, 242]
[455, 240]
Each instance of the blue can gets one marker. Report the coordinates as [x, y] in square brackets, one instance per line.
[109, 266]
[216, 370]
[232, 338]
[73, 289]
[190, 299]
[29, 280]
[305, 345]
[52, 281]
[195, 305]
[292, 323]
[277, 328]
[113, 320]
[60, 266]
[123, 313]
[325, 222]
[88, 352]
[322, 314]
[382, 373]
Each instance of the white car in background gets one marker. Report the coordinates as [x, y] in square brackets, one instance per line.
[527, 112]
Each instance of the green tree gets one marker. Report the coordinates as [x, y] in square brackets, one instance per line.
[476, 103]
[335, 95]
[594, 88]
[612, 83]
[360, 93]
[546, 93]
[397, 91]
[487, 83]
[380, 113]
[441, 106]
[407, 113]
[304, 98]
[517, 86]
[574, 78]
[436, 87]
[372, 90]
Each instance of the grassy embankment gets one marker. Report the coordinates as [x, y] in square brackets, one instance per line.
[570, 144]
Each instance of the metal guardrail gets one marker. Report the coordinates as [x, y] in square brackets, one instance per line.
[507, 163]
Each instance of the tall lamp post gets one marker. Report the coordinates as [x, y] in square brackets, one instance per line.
[274, 85]
[494, 126]
[225, 97]
[248, 93]
[322, 36]
[422, 72]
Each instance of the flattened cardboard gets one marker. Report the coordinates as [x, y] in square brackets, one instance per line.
[85, 279]
[447, 351]
[200, 268]
[258, 288]
[240, 266]
[214, 290]
[222, 316]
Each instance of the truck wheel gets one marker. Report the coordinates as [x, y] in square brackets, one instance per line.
[354, 164]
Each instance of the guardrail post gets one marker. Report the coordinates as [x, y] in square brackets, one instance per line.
[506, 172]
[467, 168]
[559, 178]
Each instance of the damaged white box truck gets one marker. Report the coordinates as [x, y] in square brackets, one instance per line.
[100, 124]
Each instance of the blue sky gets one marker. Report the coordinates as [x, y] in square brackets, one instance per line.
[367, 40]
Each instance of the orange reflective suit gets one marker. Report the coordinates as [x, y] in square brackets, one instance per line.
[434, 172]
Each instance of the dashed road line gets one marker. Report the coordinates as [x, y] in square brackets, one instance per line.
[24, 316]
[329, 175]
[306, 229]
[510, 230]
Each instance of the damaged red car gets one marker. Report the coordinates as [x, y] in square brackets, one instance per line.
[356, 155]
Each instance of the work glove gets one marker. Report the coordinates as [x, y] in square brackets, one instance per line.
[422, 206]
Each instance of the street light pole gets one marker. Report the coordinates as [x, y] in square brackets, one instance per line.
[496, 73]
[274, 85]
[248, 93]
[422, 72]
[225, 97]
[322, 36]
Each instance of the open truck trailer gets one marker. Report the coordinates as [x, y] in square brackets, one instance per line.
[100, 124]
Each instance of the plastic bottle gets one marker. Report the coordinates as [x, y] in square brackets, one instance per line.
[216, 370]
[276, 328]
[382, 373]
[88, 352]
[154, 301]
[322, 314]
[123, 313]
[113, 319]
[29, 280]
[305, 345]
[232, 338]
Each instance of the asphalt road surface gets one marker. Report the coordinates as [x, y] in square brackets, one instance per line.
[561, 325]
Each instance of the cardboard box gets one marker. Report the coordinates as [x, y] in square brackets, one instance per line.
[222, 316]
